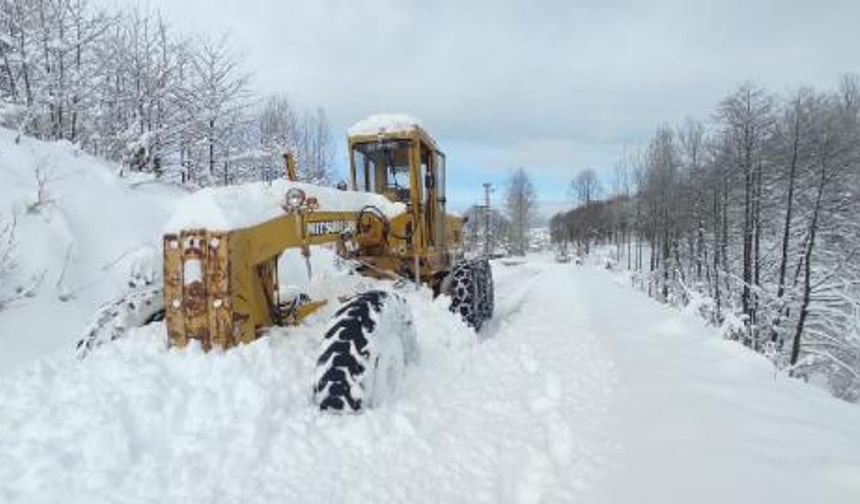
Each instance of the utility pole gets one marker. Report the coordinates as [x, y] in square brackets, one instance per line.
[487, 189]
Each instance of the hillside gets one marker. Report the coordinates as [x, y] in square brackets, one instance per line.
[78, 243]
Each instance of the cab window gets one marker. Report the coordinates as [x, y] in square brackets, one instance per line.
[383, 167]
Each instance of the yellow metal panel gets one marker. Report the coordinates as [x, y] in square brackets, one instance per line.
[219, 301]
[194, 297]
[175, 320]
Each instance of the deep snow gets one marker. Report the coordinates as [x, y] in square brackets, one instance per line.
[579, 390]
[93, 233]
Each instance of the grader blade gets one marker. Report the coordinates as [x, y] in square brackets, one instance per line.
[221, 287]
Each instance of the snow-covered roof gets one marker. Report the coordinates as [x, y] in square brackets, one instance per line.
[384, 123]
[245, 205]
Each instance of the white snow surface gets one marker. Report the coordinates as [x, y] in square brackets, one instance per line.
[93, 234]
[384, 123]
[245, 205]
[580, 389]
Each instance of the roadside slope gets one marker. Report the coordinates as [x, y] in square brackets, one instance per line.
[702, 419]
[80, 242]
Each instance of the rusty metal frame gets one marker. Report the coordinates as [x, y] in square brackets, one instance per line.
[221, 287]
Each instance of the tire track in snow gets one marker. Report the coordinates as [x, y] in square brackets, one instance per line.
[572, 380]
[512, 285]
[531, 407]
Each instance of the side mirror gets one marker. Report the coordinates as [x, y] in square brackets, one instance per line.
[342, 185]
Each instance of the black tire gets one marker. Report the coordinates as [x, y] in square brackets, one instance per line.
[353, 353]
[465, 290]
[136, 309]
[487, 301]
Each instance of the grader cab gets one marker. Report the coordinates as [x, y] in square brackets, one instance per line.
[221, 283]
[405, 166]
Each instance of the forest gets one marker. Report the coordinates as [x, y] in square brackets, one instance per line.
[751, 218]
[126, 87]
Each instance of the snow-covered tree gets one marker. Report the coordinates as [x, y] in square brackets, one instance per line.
[484, 228]
[304, 134]
[124, 86]
[755, 216]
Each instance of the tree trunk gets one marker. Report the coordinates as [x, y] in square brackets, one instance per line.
[807, 271]
[786, 227]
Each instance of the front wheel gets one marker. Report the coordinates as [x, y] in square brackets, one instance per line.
[364, 352]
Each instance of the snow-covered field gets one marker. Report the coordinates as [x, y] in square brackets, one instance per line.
[579, 390]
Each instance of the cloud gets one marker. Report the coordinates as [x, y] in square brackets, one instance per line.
[552, 85]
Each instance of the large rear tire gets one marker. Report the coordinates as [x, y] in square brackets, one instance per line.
[364, 352]
[486, 304]
[465, 293]
[470, 286]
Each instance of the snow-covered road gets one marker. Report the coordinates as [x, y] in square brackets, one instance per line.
[579, 390]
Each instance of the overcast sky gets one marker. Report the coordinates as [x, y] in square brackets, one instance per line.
[554, 86]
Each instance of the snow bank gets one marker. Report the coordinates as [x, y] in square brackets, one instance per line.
[701, 419]
[137, 422]
[384, 123]
[245, 205]
[82, 241]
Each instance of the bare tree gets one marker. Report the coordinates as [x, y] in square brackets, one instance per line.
[482, 228]
[585, 187]
[305, 134]
[520, 203]
[747, 118]
[124, 86]
[757, 219]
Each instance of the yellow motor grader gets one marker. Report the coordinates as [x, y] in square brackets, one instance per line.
[221, 286]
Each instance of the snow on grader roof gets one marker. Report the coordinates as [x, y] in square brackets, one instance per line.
[385, 123]
[241, 206]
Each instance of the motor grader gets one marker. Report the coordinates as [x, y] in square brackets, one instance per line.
[221, 286]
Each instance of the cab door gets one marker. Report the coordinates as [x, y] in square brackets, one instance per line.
[428, 183]
[439, 197]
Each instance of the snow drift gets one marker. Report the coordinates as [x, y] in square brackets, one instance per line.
[81, 234]
[244, 205]
[384, 123]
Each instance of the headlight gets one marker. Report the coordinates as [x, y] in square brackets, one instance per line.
[294, 199]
